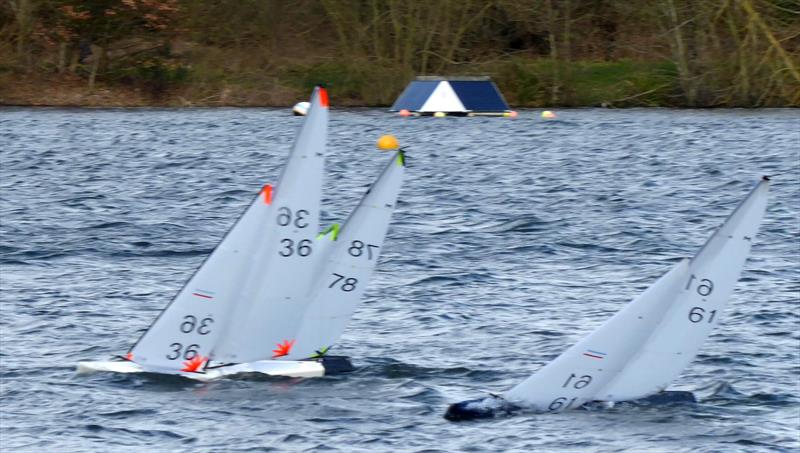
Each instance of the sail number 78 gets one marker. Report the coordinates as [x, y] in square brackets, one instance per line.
[357, 248]
[346, 284]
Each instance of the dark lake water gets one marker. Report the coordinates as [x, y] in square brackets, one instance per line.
[514, 238]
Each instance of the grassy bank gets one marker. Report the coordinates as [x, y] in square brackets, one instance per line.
[524, 83]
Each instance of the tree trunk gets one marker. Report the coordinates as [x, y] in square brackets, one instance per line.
[97, 53]
[23, 13]
[62, 57]
[680, 52]
[755, 17]
[552, 17]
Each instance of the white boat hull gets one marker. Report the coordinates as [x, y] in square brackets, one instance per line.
[288, 368]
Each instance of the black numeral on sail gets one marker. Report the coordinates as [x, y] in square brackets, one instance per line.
[357, 249]
[580, 383]
[190, 322]
[177, 351]
[347, 284]
[303, 247]
[705, 287]
[697, 314]
[285, 217]
[558, 403]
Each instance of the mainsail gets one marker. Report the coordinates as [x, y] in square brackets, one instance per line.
[230, 284]
[713, 273]
[349, 265]
[273, 298]
[644, 347]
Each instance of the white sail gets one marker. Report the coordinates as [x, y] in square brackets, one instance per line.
[192, 323]
[645, 346]
[203, 314]
[349, 265]
[713, 273]
[273, 298]
[575, 376]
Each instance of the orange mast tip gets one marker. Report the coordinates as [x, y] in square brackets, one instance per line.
[323, 97]
[267, 193]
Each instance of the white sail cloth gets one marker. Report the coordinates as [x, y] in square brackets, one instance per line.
[228, 309]
[349, 265]
[645, 346]
[273, 299]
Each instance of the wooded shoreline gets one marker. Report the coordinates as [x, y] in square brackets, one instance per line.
[541, 53]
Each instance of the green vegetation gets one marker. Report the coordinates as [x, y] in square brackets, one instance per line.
[688, 53]
[612, 84]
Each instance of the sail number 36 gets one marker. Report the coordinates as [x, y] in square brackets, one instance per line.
[190, 322]
[285, 217]
[303, 247]
[177, 351]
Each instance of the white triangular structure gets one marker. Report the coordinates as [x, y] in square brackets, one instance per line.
[644, 347]
[350, 263]
[443, 99]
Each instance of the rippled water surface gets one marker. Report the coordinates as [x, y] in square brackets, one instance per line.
[514, 238]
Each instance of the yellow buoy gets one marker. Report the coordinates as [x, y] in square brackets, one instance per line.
[548, 115]
[387, 142]
[439, 114]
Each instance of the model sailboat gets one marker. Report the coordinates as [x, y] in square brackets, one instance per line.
[647, 344]
[264, 301]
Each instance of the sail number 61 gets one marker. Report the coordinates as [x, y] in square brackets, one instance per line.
[705, 287]
[697, 314]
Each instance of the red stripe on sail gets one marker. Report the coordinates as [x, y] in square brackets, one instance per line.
[323, 97]
[267, 193]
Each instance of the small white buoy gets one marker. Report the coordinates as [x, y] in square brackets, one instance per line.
[548, 115]
[301, 108]
[439, 114]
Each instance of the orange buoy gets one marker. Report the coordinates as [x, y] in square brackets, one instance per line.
[387, 142]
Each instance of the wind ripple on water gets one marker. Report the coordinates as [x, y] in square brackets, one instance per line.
[512, 240]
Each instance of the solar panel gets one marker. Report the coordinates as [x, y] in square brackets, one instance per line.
[415, 95]
[479, 96]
